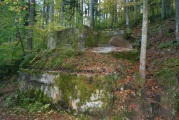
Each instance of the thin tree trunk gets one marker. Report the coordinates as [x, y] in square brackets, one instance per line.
[153, 10]
[177, 20]
[163, 9]
[51, 11]
[81, 13]
[47, 15]
[20, 39]
[51, 41]
[170, 9]
[31, 24]
[62, 13]
[127, 14]
[43, 15]
[112, 15]
[95, 10]
[135, 11]
[144, 40]
[157, 6]
[91, 13]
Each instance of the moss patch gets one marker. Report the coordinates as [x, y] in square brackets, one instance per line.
[82, 87]
[49, 60]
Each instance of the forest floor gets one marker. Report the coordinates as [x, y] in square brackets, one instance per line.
[162, 58]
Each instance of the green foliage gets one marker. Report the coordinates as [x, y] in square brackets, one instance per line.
[11, 18]
[27, 60]
[50, 59]
[168, 71]
[91, 38]
[104, 38]
[42, 35]
[128, 34]
[10, 58]
[167, 77]
[33, 100]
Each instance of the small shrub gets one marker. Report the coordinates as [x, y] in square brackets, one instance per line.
[10, 58]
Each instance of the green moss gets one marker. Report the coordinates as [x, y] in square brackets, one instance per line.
[49, 60]
[81, 86]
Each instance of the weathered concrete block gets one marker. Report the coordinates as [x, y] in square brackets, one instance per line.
[78, 92]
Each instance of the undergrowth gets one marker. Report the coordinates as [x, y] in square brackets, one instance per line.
[169, 44]
[48, 60]
[167, 76]
[10, 58]
[33, 100]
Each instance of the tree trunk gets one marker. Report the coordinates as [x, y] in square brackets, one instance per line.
[81, 13]
[47, 15]
[31, 24]
[177, 20]
[135, 11]
[144, 40]
[91, 13]
[43, 15]
[127, 14]
[51, 41]
[51, 11]
[163, 10]
[62, 13]
[168, 8]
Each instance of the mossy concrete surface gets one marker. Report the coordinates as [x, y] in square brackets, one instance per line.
[78, 92]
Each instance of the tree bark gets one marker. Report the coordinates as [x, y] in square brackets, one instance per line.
[62, 13]
[51, 11]
[51, 41]
[177, 20]
[144, 40]
[43, 15]
[20, 38]
[81, 13]
[31, 24]
[127, 14]
[91, 13]
[135, 11]
[163, 9]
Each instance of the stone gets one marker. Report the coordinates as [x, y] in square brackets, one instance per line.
[78, 92]
[119, 41]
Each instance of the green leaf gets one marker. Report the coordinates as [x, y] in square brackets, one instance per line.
[11, 8]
